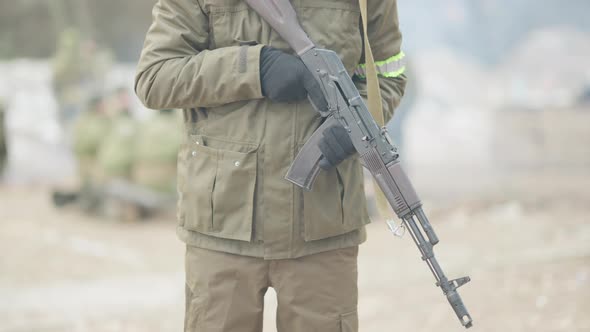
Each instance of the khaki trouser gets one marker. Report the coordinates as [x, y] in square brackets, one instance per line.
[316, 293]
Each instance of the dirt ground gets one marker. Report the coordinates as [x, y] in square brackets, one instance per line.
[525, 242]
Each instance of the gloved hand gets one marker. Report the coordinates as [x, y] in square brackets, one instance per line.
[284, 78]
[336, 146]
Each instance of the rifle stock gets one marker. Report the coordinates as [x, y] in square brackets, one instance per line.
[282, 18]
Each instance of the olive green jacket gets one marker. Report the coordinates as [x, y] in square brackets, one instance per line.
[203, 56]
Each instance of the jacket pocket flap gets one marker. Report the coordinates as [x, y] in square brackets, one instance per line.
[219, 197]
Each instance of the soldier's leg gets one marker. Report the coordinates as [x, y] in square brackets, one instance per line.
[317, 292]
[224, 292]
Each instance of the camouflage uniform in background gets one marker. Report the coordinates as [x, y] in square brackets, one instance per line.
[158, 141]
[115, 159]
[79, 70]
[103, 142]
[89, 131]
[127, 168]
[68, 74]
[115, 154]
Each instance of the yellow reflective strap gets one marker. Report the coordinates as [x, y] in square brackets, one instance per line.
[394, 66]
[361, 73]
[395, 73]
[397, 57]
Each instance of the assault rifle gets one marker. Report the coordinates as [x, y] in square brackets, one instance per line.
[376, 150]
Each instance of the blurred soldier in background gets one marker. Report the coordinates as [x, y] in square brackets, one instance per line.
[69, 73]
[80, 68]
[138, 161]
[158, 141]
[79, 71]
[89, 131]
[104, 132]
[127, 168]
[115, 154]
[115, 157]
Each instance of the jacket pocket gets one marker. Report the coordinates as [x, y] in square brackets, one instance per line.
[342, 35]
[217, 187]
[336, 204]
[230, 22]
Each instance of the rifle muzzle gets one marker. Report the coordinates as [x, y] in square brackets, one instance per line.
[459, 308]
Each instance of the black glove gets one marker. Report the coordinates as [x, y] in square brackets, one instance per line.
[284, 78]
[336, 146]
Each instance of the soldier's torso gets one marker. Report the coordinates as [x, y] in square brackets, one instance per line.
[231, 170]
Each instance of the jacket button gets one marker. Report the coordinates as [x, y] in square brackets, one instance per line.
[194, 153]
[237, 164]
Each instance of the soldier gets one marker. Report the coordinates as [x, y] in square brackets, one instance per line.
[104, 138]
[246, 115]
[115, 159]
[79, 71]
[115, 154]
[90, 129]
[158, 141]
[68, 75]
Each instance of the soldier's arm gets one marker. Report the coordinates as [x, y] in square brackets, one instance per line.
[386, 39]
[176, 69]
